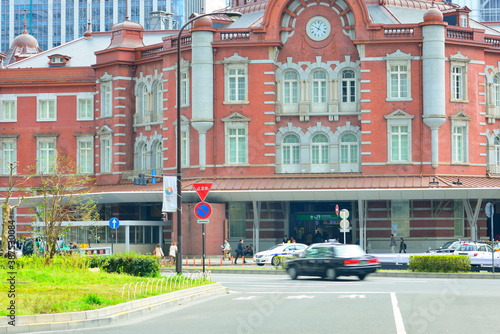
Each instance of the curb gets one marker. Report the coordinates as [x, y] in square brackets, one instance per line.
[376, 274]
[110, 314]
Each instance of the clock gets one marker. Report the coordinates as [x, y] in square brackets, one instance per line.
[318, 28]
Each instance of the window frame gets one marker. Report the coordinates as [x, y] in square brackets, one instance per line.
[106, 145]
[351, 84]
[320, 150]
[236, 122]
[294, 92]
[399, 119]
[12, 110]
[347, 146]
[84, 166]
[106, 98]
[319, 94]
[185, 88]
[4, 170]
[43, 101]
[85, 113]
[459, 81]
[43, 167]
[398, 59]
[292, 148]
[460, 155]
[236, 62]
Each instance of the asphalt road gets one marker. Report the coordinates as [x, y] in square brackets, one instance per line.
[277, 304]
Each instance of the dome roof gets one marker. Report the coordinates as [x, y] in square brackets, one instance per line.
[204, 22]
[433, 14]
[127, 24]
[25, 40]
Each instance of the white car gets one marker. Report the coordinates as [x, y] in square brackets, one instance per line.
[475, 250]
[268, 256]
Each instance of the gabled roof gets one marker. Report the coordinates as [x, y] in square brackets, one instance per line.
[82, 50]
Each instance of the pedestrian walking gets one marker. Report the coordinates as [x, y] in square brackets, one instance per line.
[159, 253]
[226, 248]
[393, 243]
[172, 252]
[402, 246]
[239, 252]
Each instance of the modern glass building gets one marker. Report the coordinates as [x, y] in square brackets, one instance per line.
[53, 22]
[482, 10]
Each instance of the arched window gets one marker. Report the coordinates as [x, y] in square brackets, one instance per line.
[290, 87]
[142, 99]
[158, 97]
[157, 157]
[496, 91]
[497, 150]
[319, 86]
[319, 149]
[142, 155]
[290, 150]
[349, 149]
[348, 84]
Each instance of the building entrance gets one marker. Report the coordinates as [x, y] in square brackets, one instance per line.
[312, 222]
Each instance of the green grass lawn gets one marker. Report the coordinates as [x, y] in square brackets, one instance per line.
[67, 287]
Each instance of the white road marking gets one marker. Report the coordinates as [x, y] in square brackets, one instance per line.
[245, 298]
[300, 297]
[400, 326]
[352, 296]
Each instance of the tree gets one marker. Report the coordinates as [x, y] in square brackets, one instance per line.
[6, 207]
[61, 195]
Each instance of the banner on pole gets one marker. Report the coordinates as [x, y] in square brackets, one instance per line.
[169, 194]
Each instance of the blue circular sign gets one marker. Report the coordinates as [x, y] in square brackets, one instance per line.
[114, 223]
[202, 210]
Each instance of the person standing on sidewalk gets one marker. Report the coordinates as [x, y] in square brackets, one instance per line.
[226, 248]
[393, 243]
[239, 252]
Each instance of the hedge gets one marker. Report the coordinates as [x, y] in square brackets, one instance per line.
[131, 263]
[439, 263]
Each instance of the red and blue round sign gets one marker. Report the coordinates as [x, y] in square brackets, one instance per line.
[202, 210]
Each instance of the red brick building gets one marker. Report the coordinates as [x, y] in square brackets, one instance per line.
[386, 109]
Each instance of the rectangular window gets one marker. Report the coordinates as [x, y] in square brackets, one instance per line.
[399, 81]
[9, 156]
[9, 113]
[85, 110]
[184, 89]
[46, 155]
[458, 83]
[237, 146]
[237, 220]
[291, 89]
[458, 214]
[236, 84]
[399, 143]
[458, 144]
[400, 213]
[319, 91]
[106, 99]
[106, 155]
[291, 154]
[184, 148]
[85, 156]
[47, 110]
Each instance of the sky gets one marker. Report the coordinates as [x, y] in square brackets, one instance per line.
[214, 5]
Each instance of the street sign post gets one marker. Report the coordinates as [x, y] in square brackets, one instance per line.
[202, 211]
[113, 223]
[344, 223]
[490, 211]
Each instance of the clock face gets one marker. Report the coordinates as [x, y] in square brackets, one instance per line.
[318, 28]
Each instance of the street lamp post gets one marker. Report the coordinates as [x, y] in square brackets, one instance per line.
[178, 264]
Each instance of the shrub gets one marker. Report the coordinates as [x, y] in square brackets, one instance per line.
[131, 263]
[439, 263]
